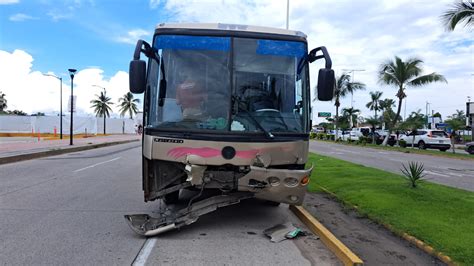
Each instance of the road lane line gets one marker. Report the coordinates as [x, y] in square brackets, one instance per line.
[94, 165]
[434, 173]
[145, 252]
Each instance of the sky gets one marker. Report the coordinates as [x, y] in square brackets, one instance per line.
[98, 39]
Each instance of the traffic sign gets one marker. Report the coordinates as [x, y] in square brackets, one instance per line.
[324, 114]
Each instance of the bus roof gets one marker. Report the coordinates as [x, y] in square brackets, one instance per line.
[230, 27]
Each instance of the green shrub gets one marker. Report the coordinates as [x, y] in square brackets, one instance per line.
[364, 140]
[312, 135]
[321, 136]
[402, 143]
[414, 173]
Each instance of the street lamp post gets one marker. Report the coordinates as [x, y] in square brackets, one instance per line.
[60, 103]
[104, 98]
[72, 71]
[352, 72]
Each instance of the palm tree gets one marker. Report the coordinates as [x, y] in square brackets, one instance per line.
[350, 113]
[404, 74]
[128, 104]
[344, 86]
[461, 11]
[386, 108]
[3, 101]
[374, 104]
[101, 106]
[372, 121]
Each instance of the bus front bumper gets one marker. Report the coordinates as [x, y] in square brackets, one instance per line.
[278, 185]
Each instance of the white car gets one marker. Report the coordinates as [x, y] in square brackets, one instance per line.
[427, 138]
[349, 136]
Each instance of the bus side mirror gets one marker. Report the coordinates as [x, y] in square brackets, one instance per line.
[326, 83]
[326, 79]
[137, 76]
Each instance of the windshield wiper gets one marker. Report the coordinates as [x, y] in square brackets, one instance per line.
[254, 120]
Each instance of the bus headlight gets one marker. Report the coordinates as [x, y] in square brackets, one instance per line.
[273, 181]
[291, 182]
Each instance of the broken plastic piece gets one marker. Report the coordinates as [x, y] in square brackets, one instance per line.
[281, 232]
[145, 225]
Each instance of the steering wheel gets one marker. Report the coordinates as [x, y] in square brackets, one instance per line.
[271, 113]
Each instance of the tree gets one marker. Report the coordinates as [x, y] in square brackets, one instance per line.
[456, 122]
[101, 106]
[387, 112]
[350, 113]
[128, 105]
[413, 122]
[344, 87]
[3, 102]
[372, 121]
[461, 11]
[374, 104]
[38, 114]
[402, 75]
[17, 112]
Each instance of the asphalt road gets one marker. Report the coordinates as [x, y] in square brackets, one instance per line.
[68, 210]
[450, 172]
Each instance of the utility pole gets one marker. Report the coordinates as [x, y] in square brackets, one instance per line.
[72, 72]
[352, 72]
[287, 13]
[426, 113]
[60, 103]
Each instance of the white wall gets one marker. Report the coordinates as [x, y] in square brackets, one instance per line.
[46, 124]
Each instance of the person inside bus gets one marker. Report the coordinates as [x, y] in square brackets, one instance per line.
[192, 96]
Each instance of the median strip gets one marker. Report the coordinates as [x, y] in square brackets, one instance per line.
[36, 155]
[335, 245]
[436, 218]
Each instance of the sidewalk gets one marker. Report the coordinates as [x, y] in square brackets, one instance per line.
[17, 149]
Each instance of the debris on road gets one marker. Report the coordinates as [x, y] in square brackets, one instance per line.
[281, 232]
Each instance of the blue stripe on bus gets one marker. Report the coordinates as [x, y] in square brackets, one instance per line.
[281, 48]
[193, 42]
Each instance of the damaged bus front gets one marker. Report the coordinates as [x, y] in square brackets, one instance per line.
[227, 108]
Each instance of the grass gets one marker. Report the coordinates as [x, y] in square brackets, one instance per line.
[441, 216]
[445, 154]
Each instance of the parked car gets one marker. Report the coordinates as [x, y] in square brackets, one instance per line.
[427, 138]
[470, 147]
[349, 136]
[378, 138]
[318, 130]
[361, 131]
[392, 140]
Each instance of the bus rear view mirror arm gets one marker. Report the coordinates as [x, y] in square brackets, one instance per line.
[137, 71]
[326, 79]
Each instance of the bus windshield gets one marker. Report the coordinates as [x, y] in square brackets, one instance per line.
[228, 84]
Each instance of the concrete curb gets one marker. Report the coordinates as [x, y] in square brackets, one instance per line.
[58, 151]
[344, 254]
[413, 240]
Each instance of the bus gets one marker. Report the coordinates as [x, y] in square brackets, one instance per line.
[226, 108]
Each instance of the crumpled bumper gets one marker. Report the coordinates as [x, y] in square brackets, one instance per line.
[279, 185]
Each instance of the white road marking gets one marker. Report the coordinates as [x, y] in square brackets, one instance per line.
[144, 252]
[94, 165]
[434, 173]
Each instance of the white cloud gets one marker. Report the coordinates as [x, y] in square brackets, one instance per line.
[57, 15]
[31, 91]
[132, 36]
[8, 2]
[154, 3]
[361, 35]
[20, 17]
